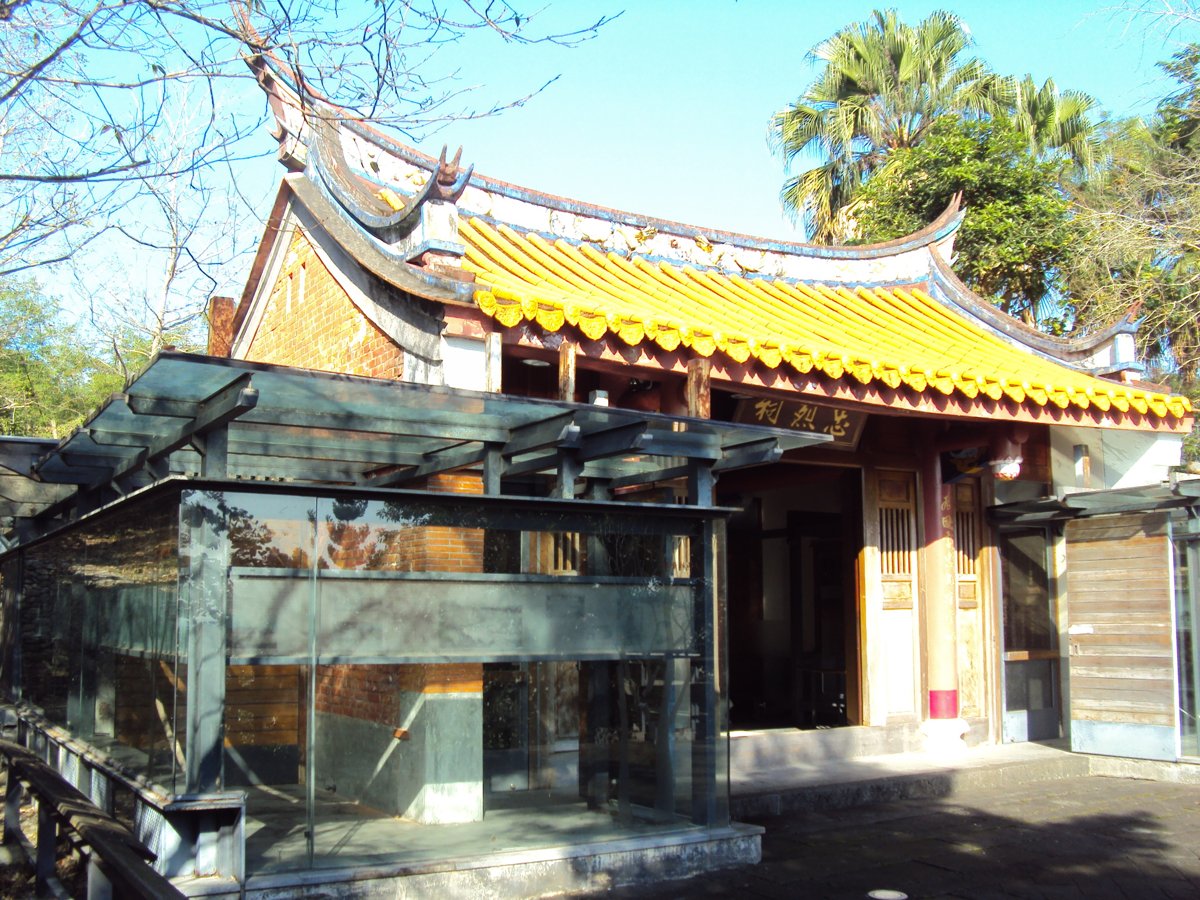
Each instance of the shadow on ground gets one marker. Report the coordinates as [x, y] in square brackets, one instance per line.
[1077, 838]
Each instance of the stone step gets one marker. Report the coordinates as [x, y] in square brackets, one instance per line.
[791, 746]
[859, 782]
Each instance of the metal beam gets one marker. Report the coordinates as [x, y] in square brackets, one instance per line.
[631, 438]
[649, 476]
[690, 444]
[752, 453]
[544, 462]
[555, 431]
[18, 489]
[443, 461]
[479, 428]
[235, 399]
[20, 454]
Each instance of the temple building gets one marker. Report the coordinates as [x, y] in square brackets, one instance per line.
[494, 525]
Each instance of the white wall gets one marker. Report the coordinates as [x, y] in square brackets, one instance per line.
[464, 363]
[1117, 458]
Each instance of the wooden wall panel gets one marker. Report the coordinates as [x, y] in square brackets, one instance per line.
[1121, 635]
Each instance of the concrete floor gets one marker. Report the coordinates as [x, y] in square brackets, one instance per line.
[1081, 836]
[350, 834]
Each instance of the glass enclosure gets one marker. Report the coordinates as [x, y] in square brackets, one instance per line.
[392, 676]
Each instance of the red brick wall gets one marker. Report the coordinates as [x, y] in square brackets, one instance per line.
[373, 692]
[310, 322]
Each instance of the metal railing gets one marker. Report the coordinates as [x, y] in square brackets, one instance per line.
[117, 862]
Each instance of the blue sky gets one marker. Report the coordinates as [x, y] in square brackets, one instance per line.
[665, 112]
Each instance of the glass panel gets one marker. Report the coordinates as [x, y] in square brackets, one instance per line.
[394, 665]
[454, 687]
[405, 582]
[10, 569]
[1028, 612]
[272, 552]
[267, 682]
[98, 635]
[1187, 609]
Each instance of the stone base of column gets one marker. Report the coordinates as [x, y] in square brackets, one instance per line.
[944, 737]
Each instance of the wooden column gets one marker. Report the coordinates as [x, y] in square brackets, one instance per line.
[940, 603]
[566, 372]
[699, 388]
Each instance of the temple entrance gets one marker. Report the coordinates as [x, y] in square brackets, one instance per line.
[793, 610]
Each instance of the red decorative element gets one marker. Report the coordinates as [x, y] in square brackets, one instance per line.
[943, 704]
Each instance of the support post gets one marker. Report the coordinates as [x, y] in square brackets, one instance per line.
[705, 752]
[493, 471]
[47, 847]
[492, 344]
[216, 453]
[943, 729]
[207, 585]
[12, 808]
[699, 388]
[566, 372]
[98, 885]
[596, 684]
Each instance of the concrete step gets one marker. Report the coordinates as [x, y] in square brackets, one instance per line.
[839, 784]
[772, 748]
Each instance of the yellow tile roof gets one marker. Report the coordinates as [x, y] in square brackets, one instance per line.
[893, 336]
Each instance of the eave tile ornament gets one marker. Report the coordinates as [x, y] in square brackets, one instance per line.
[894, 336]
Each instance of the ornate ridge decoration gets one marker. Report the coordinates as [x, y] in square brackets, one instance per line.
[381, 209]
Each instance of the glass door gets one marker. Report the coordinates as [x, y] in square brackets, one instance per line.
[1032, 693]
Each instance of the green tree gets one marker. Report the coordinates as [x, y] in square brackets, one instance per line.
[1054, 122]
[883, 86]
[50, 379]
[1018, 230]
[1140, 229]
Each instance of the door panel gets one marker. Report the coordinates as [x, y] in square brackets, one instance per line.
[1032, 697]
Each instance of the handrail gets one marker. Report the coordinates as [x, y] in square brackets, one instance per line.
[121, 858]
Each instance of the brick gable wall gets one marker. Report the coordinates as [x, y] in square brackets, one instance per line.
[311, 323]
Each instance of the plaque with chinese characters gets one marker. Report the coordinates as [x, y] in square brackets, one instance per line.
[843, 425]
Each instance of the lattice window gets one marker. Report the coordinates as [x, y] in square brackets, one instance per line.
[554, 553]
[681, 558]
[896, 540]
[966, 530]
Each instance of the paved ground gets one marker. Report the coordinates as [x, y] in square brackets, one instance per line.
[1083, 837]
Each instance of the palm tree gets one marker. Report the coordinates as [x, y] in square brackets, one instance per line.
[883, 85]
[1053, 120]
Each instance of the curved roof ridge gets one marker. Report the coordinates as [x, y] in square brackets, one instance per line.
[1075, 351]
[938, 230]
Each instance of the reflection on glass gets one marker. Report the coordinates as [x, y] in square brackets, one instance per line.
[98, 635]
[1028, 612]
[1187, 608]
[402, 678]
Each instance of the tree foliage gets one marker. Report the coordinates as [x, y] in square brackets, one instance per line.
[883, 87]
[1140, 228]
[50, 378]
[1018, 230]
